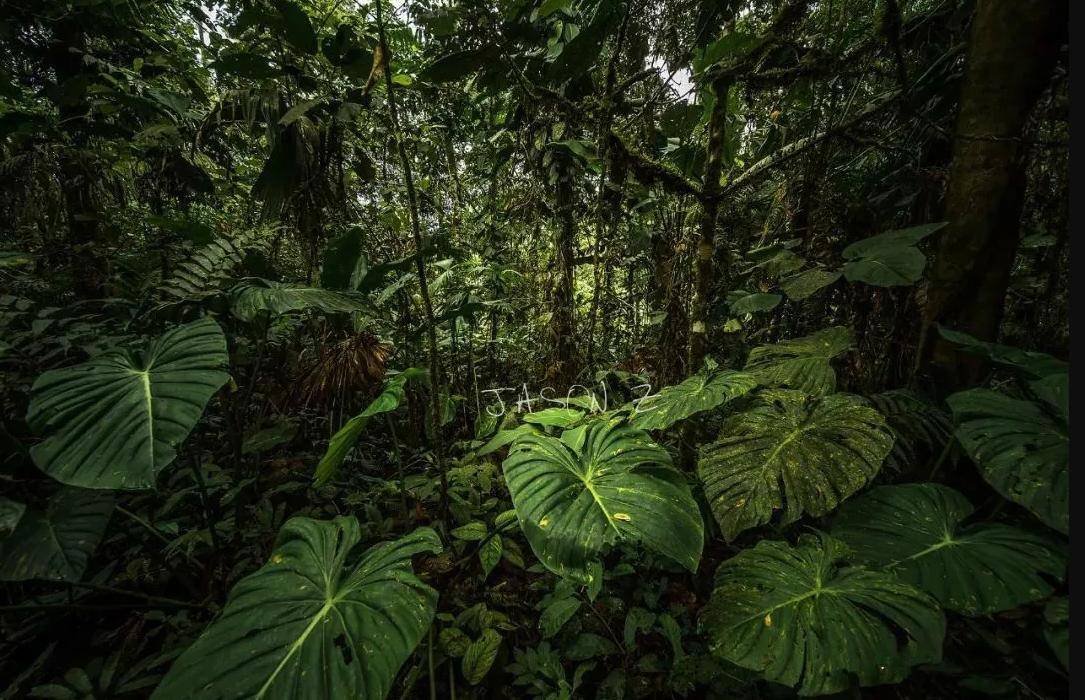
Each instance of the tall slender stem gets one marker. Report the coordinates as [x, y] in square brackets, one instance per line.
[420, 267]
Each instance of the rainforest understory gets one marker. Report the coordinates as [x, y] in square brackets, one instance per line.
[534, 348]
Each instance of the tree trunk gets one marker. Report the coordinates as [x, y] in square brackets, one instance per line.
[706, 246]
[1012, 53]
[562, 367]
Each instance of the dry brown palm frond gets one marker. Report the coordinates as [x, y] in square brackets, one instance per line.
[336, 371]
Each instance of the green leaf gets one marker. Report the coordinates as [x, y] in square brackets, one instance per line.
[471, 532]
[637, 620]
[1021, 447]
[480, 656]
[801, 363]
[580, 53]
[1026, 362]
[116, 420]
[298, 29]
[505, 437]
[704, 391]
[454, 641]
[246, 65]
[490, 554]
[298, 111]
[269, 438]
[755, 303]
[600, 483]
[888, 259]
[588, 646]
[458, 65]
[915, 530]
[557, 417]
[1057, 629]
[254, 295]
[395, 390]
[11, 512]
[804, 619]
[791, 453]
[806, 284]
[920, 429]
[311, 624]
[344, 262]
[56, 544]
[555, 615]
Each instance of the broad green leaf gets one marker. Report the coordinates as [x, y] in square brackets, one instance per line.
[899, 238]
[480, 656]
[472, 532]
[801, 363]
[395, 390]
[1021, 447]
[793, 454]
[454, 641]
[805, 619]
[582, 51]
[11, 512]
[920, 429]
[280, 433]
[806, 284]
[254, 295]
[298, 111]
[1032, 364]
[458, 65]
[637, 620]
[116, 420]
[704, 391]
[246, 65]
[505, 437]
[556, 417]
[312, 623]
[888, 267]
[598, 484]
[754, 303]
[297, 27]
[1057, 629]
[588, 646]
[490, 554]
[556, 614]
[56, 544]
[915, 531]
[888, 259]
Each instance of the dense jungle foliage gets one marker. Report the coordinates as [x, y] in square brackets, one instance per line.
[534, 348]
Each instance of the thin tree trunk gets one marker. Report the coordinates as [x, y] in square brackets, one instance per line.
[1011, 57]
[420, 270]
[706, 245]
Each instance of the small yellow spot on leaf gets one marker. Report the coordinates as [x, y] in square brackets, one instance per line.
[768, 620]
[622, 516]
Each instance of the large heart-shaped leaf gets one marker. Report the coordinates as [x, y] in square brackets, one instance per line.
[803, 618]
[888, 259]
[920, 429]
[116, 420]
[254, 295]
[395, 390]
[915, 530]
[801, 363]
[1021, 447]
[600, 483]
[791, 452]
[701, 392]
[56, 544]
[311, 624]
[1030, 363]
